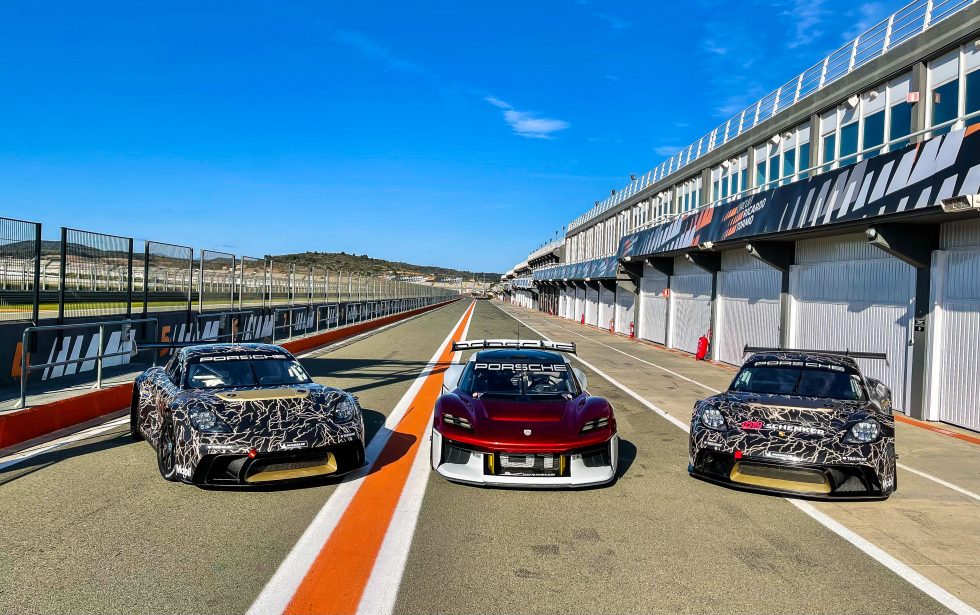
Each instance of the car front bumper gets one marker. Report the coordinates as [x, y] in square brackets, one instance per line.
[576, 468]
[230, 465]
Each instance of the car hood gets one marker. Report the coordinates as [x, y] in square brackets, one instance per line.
[268, 408]
[778, 410]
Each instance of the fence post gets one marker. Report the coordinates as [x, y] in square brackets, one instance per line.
[129, 286]
[25, 341]
[98, 360]
[61, 278]
[36, 310]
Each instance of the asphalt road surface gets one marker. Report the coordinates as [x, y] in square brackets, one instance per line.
[93, 528]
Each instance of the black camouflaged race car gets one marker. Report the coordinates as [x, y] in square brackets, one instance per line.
[798, 422]
[244, 414]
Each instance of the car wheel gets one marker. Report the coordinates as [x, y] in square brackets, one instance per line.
[167, 451]
[134, 410]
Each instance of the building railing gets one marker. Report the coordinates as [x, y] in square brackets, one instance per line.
[125, 327]
[851, 158]
[912, 19]
[546, 248]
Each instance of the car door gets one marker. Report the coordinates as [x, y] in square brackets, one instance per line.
[165, 388]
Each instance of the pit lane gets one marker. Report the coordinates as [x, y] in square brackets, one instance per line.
[92, 527]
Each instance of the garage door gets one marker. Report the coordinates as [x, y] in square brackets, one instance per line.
[579, 304]
[748, 305]
[690, 310]
[954, 389]
[625, 304]
[653, 306]
[591, 304]
[848, 295]
[607, 307]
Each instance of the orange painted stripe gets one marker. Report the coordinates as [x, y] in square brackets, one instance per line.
[336, 580]
[938, 429]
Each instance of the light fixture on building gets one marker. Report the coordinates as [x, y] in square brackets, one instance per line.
[853, 101]
[967, 202]
[873, 94]
[612, 192]
[775, 139]
[726, 165]
[632, 177]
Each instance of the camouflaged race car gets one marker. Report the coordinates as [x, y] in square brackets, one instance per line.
[798, 422]
[244, 414]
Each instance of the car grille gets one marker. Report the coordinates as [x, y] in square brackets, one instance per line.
[530, 464]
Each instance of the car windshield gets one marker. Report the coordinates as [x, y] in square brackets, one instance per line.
[518, 379]
[812, 380]
[245, 373]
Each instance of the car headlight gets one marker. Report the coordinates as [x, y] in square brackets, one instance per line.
[206, 420]
[345, 410]
[594, 424]
[867, 430]
[712, 418]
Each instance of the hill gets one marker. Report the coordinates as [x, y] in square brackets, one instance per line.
[341, 261]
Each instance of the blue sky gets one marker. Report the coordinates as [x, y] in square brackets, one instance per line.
[453, 133]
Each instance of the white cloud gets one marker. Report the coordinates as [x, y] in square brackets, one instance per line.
[613, 22]
[712, 47]
[868, 15]
[526, 123]
[667, 150]
[809, 14]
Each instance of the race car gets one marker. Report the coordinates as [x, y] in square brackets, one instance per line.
[802, 422]
[244, 414]
[518, 414]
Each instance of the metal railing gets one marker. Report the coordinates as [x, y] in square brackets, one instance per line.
[912, 19]
[221, 317]
[810, 171]
[125, 326]
[290, 321]
[546, 248]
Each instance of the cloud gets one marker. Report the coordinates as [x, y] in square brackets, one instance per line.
[612, 77]
[712, 47]
[667, 150]
[867, 14]
[373, 51]
[613, 22]
[526, 123]
[809, 14]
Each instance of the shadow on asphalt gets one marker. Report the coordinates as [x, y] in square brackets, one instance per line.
[39, 462]
[375, 372]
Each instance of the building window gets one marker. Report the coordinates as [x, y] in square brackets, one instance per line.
[944, 91]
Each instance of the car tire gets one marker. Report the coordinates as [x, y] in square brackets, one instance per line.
[134, 409]
[166, 451]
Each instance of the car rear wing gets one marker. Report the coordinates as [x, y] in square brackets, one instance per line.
[853, 354]
[517, 344]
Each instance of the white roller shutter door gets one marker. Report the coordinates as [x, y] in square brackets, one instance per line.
[848, 295]
[625, 308]
[607, 307]
[652, 323]
[592, 304]
[690, 310]
[579, 304]
[748, 305]
[954, 387]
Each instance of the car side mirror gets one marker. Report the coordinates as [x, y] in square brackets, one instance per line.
[581, 377]
[880, 391]
[450, 378]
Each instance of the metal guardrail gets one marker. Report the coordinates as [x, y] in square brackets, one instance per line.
[290, 321]
[125, 327]
[220, 317]
[912, 19]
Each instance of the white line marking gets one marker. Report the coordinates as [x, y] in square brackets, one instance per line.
[381, 590]
[660, 367]
[937, 593]
[936, 479]
[925, 475]
[12, 460]
[275, 597]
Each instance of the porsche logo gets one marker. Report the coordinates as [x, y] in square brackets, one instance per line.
[527, 432]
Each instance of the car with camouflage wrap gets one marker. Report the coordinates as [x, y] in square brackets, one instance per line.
[244, 414]
[518, 414]
[798, 422]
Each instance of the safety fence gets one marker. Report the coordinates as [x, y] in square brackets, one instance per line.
[85, 275]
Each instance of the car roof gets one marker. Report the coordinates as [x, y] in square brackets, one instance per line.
[519, 354]
[212, 349]
[812, 357]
